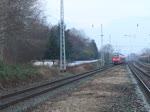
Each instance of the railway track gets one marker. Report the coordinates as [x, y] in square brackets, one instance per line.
[25, 94]
[142, 76]
[143, 66]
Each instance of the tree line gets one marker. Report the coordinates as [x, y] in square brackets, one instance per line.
[25, 35]
[78, 46]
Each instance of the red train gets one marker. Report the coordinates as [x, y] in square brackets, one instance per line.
[118, 58]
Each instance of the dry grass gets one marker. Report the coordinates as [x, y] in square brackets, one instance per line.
[38, 74]
[82, 68]
[48, 72]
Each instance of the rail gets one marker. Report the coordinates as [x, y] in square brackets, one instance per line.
[25, 94]
[142, 76]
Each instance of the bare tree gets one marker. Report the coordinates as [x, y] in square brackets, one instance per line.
[2, 26]
[108, 52]
[22, 32]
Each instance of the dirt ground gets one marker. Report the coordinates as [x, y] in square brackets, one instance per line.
[112, 92]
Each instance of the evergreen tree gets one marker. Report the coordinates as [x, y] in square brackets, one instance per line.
[94, 50]
[53, 48]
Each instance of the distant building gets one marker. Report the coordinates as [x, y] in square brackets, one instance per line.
[132, 57]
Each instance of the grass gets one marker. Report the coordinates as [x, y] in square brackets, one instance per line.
[16, 75]
[11, 72]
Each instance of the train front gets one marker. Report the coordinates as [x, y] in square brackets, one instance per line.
[116, 60]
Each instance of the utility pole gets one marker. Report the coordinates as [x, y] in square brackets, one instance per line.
[102, 52]
[110, 50]
[116, 47]
[62, 39]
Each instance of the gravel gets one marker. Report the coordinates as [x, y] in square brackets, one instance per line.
[138, 91]
[111, 91]
[53, 95]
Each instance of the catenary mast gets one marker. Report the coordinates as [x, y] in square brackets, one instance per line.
[102, 52]
[62, 39]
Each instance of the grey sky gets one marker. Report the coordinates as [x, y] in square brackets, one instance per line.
[119, 18]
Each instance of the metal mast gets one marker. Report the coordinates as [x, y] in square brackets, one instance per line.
[102, 52]
[110, 52]
[62, 39]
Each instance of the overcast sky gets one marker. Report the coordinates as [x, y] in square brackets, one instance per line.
[119, 18]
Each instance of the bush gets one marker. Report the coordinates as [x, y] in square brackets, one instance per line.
[10, 72]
